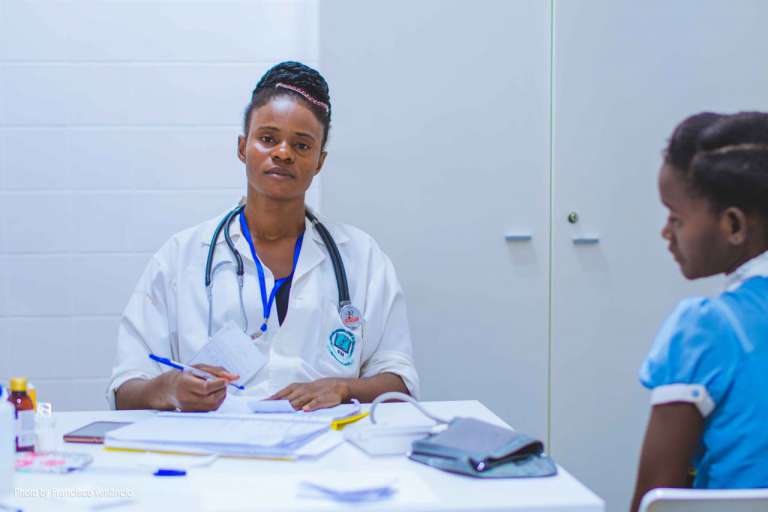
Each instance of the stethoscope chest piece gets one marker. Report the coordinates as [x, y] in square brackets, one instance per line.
[350, 316]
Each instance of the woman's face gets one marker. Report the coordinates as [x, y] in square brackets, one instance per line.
[694, 231]
[282, 151]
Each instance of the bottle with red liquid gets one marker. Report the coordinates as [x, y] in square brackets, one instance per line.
[25, 415]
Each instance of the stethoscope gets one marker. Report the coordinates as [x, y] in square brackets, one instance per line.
[349, 314]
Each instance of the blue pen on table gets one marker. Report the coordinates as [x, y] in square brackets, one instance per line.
[170, 472]
[191, 369]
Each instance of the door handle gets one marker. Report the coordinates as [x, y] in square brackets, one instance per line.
[518, 237]
[586, 240]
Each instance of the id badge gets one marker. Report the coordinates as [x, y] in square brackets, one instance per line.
[234, 350]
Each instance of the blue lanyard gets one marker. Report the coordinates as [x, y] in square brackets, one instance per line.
[266, 303]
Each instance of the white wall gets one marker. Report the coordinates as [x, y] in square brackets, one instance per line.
[441, 148]
[118, 126]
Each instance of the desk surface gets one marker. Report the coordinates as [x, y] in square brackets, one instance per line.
[246, 484]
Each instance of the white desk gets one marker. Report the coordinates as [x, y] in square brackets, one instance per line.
[242, 484]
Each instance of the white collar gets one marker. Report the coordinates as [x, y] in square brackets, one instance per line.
[757, 266]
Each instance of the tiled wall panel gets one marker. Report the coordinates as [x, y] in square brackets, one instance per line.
[118, 127]
[158, 30]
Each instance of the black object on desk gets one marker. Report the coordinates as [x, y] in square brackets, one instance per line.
[93, 433]
[477, 448]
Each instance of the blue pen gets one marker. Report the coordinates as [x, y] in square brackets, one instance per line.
[191, 369]
[170, 472]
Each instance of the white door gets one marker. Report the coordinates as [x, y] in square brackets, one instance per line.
[625, 74]
[440, 149]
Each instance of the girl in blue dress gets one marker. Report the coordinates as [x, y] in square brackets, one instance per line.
[708, 367]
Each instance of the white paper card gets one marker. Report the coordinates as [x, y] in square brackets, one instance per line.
[280, 408]
[271, 406]
[378, 489]
[234, 404]
[244, 404]
[234, 350]
[282, 491]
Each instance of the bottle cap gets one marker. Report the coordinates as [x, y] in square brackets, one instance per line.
[32, 392]
[19, 384]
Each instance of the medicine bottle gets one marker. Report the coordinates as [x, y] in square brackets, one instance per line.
[25, 415]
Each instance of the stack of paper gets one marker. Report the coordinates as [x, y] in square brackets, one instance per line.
[237, 435]
[244, 404]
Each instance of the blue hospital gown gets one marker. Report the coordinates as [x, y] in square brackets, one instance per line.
[718, 349]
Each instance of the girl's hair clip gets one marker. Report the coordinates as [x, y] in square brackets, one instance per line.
[305, 94]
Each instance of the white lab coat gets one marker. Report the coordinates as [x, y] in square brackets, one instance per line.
[167, 313]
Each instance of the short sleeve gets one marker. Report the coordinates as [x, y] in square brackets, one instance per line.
[694, 357]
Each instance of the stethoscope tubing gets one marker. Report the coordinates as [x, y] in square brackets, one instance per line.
[225, 221]
[231, 244]
[339, 271]
[336, 261]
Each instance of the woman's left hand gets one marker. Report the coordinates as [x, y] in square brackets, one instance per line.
[318, 394]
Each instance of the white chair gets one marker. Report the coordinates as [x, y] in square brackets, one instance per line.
[705, 500]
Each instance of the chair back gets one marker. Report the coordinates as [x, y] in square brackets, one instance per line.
[705, 500]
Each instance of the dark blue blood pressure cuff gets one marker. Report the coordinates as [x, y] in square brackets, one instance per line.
[476, 448]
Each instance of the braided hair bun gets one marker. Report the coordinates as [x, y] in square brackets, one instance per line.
[297, 80]
[724, 158]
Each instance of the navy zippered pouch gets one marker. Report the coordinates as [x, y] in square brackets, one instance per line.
[477, 448]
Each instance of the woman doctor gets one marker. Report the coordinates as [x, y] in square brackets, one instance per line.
[287, 336]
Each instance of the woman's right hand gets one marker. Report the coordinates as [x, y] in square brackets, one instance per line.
[183, 391]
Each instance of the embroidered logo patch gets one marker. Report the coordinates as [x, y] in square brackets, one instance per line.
[341, 345]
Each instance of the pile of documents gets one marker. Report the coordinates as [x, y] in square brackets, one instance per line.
[277, 434]
[222, 434]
